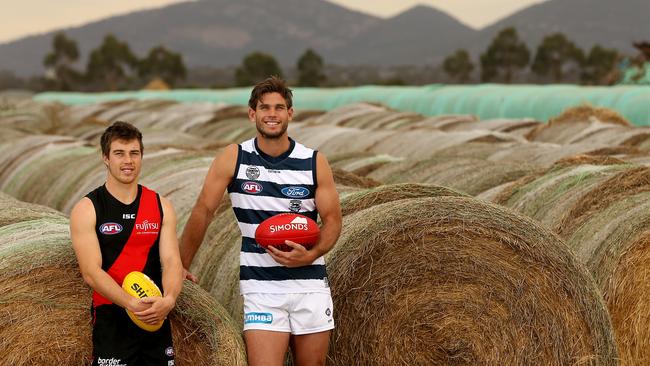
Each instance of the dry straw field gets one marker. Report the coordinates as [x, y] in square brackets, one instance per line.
[465, 242]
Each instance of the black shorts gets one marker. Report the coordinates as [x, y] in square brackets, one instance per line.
[117, 341]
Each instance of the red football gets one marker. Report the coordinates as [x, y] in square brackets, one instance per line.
[287, 226]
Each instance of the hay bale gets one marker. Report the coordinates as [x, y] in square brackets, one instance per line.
[586, 159]
[602, 212]
[345, 178]
[361, 200]
[361, 163]
[452, 280]
[613, 243]
[446, 122]
[340, 115]
[13, 211]
[519, 127]
[573, 121]
[46, 318]
[156, 84]
[543, 153]
[547, 197]
[471, 176]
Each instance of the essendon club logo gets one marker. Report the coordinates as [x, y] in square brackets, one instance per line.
[251, 187]
[110, 228]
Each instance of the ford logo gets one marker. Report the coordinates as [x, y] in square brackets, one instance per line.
[110, 228]
[252, 187]
[295, 192]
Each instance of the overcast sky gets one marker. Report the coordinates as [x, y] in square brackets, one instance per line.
[26, 17]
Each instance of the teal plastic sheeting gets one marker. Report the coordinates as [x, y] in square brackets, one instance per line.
[487, 101]
[636, 75]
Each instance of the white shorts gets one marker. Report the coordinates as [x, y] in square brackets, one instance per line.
[298, 313]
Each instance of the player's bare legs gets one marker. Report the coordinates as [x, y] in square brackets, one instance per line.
[265, 347]
[310, 349]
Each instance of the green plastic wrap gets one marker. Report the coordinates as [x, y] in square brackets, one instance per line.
[486, 101]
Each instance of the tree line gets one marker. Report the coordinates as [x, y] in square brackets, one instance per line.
[557, 59]
[113, 66]
[507, 59]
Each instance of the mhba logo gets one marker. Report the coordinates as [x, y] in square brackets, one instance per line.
[110, 228]
[252, 187]
[264, 318]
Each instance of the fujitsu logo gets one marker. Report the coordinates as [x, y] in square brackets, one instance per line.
[299, 223]
[146, 226]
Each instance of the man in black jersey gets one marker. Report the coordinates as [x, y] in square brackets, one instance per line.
[118, 228]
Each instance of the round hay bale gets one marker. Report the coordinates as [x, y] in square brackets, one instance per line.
[602, 212]
[475, 150]
[617, 187]
[616, 150]
[361, 163]
[10, 134]
[361, 200]
[548, 197]
[421, 144]
[453, 280]
[613, 243]
[574, 121]
[543, 153]
[46, 312]
[13, 211]
[519, 127]
[471, 176]
[33, 179]
[339, 140]
[340, 115]
[446, 122]
[14, 153]
[345, 178]
[156, 84]
[586, 159]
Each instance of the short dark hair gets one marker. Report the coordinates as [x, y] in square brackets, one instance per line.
[271, 85]
[120, 131]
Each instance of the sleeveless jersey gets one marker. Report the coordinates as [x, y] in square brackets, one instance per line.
[128, 235]
[261, 189]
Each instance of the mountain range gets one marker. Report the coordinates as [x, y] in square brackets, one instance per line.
[220, 33]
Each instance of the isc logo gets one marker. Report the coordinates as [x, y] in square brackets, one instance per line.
[251, 187]
[110, 228]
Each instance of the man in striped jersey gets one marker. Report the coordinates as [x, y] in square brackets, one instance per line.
[287, 299]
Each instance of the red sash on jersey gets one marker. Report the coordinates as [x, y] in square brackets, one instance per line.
[136, 250]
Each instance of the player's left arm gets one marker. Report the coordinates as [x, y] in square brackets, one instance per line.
[329, 209]
[172, 270]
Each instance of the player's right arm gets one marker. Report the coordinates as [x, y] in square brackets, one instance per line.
[89, 256]
[216, 181]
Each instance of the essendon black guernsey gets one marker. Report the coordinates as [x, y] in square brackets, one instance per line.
[128, 235]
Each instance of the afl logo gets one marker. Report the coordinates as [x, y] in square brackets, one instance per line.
[110, 228]
[251, 187]
[295, 192]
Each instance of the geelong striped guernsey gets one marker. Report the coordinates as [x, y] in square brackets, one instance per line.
[262, 188]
